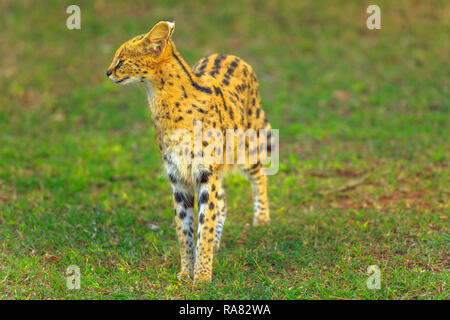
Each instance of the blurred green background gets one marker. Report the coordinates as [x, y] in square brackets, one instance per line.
[363, 118]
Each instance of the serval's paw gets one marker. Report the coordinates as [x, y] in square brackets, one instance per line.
[200, 279]
[184, 276]
[261, 220]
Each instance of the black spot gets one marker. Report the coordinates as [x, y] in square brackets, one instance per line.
[203, 197]
[166, 158]
[184, 92]
[203, 177]
[201, 69]
[182, 214]
[211, 206]
[172, 178]
[187, 200]
[201, 219]
[217, 61]
[178, 197]
[230, 111]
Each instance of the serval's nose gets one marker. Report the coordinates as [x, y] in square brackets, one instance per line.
[108, 72]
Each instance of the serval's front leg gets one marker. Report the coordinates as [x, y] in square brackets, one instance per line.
[260, 199]
[207, 214]
[184, 220]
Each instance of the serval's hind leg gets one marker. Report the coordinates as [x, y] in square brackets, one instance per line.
[221, 215]
[260, 199]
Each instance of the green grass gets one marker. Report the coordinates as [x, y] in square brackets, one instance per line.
[81, 180]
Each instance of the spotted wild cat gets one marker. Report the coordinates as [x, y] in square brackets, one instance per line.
[220, 93]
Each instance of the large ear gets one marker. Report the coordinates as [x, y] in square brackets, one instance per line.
[156, 40]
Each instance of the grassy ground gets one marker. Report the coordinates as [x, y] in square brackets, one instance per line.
[364, 179]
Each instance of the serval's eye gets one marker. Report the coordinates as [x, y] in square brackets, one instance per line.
[118, 65]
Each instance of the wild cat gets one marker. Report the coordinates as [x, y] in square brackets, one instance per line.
[220, 93]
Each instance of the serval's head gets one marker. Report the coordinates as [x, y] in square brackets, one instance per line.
[138, 58]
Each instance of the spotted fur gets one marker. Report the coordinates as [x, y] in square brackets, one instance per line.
[222, 92]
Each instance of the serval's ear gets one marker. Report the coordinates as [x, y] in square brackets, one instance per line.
[156, 40]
